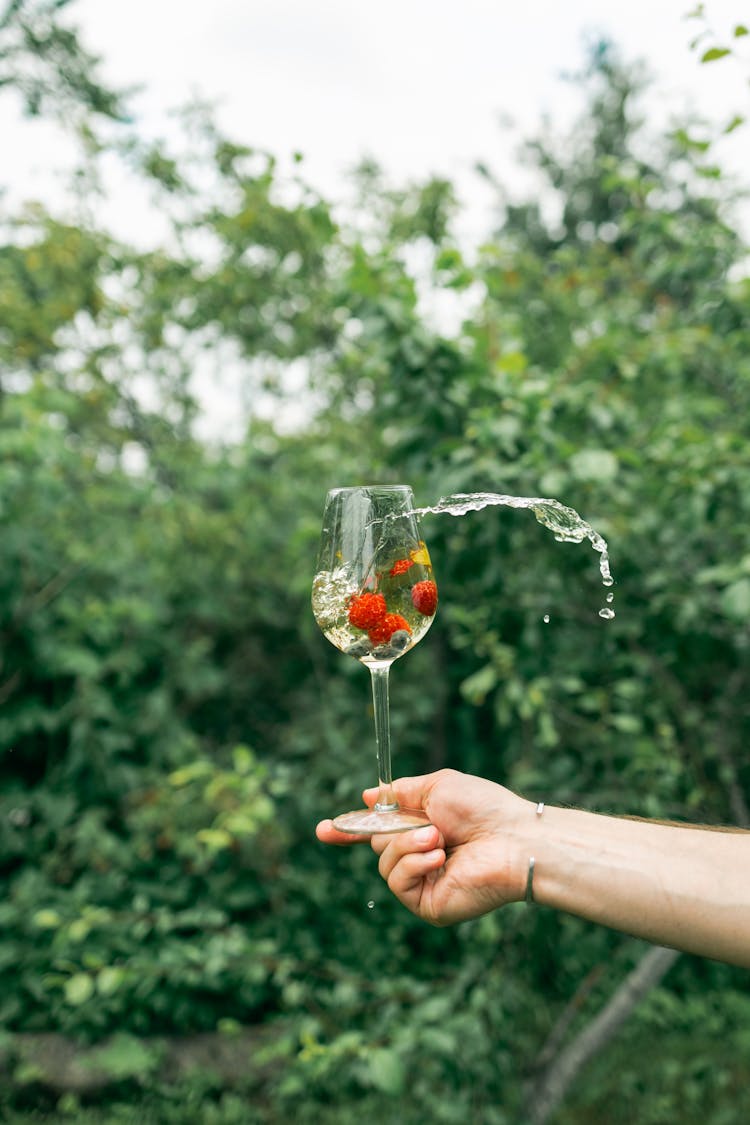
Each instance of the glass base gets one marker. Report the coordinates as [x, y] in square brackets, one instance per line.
[367, 822]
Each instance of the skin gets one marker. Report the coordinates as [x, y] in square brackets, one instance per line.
[676, 885]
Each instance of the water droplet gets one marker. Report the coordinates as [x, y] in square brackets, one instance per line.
[545, 619]
[606, 613]
[370, 904]
[610, 597]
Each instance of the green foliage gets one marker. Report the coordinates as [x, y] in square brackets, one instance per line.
[42, 60]
[707, 43]
[171, 722]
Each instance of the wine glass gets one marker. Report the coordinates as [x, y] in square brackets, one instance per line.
[374, 597]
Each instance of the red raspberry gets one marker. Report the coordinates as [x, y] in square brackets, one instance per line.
[424, 597]
[400, 567]
[366, 610]
[384, 630]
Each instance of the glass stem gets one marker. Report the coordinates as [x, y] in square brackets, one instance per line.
[386, 800]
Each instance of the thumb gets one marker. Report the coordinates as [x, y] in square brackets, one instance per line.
[410, 792]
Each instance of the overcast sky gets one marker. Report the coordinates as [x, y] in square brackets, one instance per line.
[423, 85]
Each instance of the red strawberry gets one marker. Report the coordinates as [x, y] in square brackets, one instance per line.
[425, 598]
[400, 567]
[366, 610]
[381, 633]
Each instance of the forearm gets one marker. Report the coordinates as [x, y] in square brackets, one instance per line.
[676, 886]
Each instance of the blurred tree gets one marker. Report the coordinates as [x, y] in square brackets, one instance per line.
[43, 61]
[172, 724]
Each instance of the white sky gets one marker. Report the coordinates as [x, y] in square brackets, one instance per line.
[421, 85]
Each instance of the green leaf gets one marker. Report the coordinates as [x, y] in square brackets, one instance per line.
[243, 759]
[190, 773]
[216, 838]
[735, 600]
[108, 980]
[735, 123]
[683, 138]
[46, 919]
[594, 465]
[79, 930]
[386, 1070]
[740, 30]
[714, 53]
[79, 988]
[27, 1073]
[628, 724]
[125, 1057]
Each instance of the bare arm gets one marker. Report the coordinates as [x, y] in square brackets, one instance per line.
[678, 886]
[685, 887]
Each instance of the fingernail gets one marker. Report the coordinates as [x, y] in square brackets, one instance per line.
[423, 835]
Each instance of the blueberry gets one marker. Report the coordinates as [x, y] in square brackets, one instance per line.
[385, 652]
[399, 640]
[359, 649]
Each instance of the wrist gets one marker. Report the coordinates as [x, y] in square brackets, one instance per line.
[584, 863]
[529, 891]
[520, 840]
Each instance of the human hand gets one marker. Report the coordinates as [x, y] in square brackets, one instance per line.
[467, 862]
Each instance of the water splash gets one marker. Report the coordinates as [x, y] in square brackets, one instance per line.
[565, 523]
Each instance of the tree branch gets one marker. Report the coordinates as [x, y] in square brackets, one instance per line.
[569, 1012]
[548, 1090]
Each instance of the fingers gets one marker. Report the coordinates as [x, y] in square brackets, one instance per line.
[392, 848]
[405, 867]
[406, 879]
[327, 834]
[407, 858]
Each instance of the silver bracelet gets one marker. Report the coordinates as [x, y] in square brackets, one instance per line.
[530, 881]
[532, 862]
